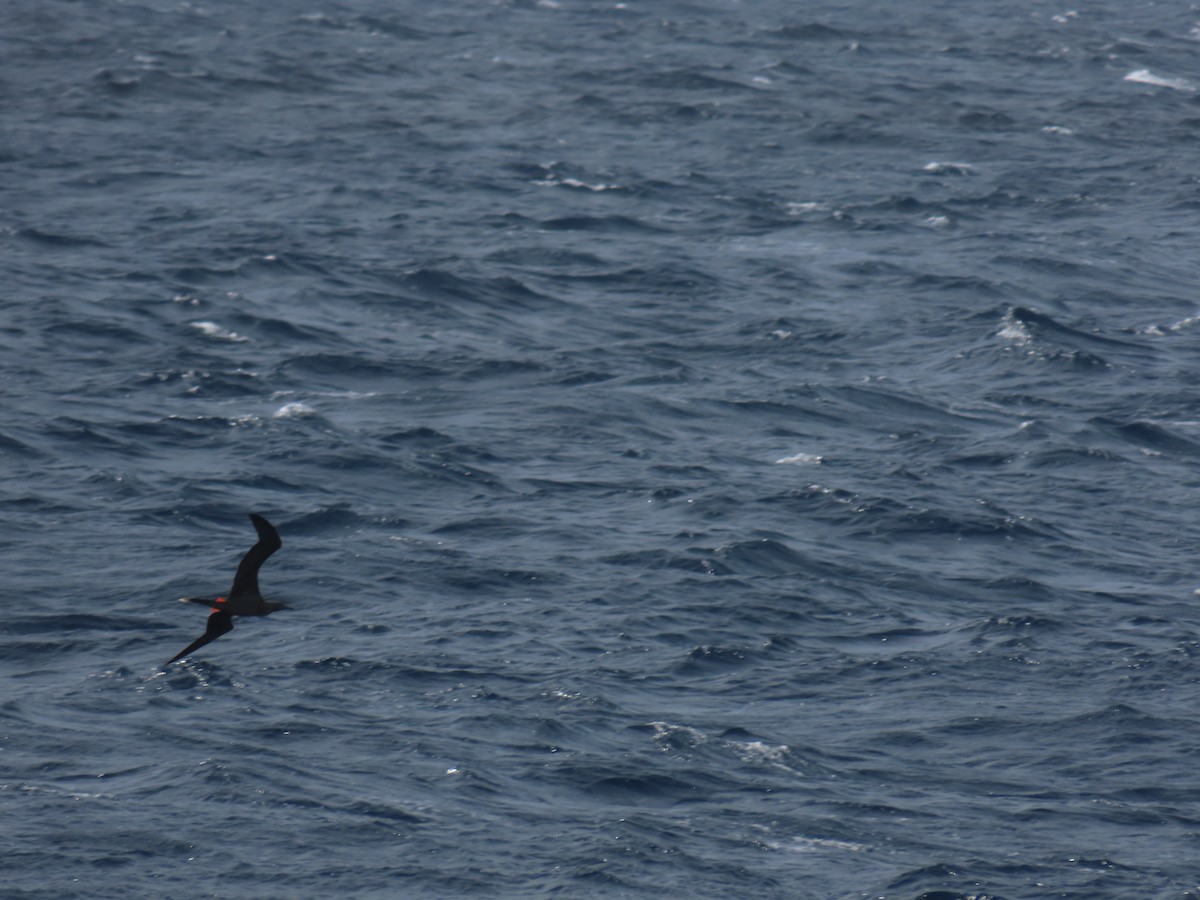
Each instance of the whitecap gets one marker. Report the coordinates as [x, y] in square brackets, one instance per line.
[800, 459]
[677, 735]
[213, 330]
[804, 844]
[293, 410]
[764, 753]
[577, 184]
[1185, 323]
[340, 395]
[1145, 76]
[1014, 330]
[949, 168]
[1156, 330]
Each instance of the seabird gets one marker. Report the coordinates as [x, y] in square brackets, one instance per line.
[244, 598]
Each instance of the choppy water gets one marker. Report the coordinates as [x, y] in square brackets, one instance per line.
[721, 449]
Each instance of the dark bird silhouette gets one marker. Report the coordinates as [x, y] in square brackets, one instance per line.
[244, 598]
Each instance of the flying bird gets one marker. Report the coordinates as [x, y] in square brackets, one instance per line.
[244, 598]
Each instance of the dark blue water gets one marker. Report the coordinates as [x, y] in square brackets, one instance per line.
[721, 449]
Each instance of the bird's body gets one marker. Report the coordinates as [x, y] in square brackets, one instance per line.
[244, 597]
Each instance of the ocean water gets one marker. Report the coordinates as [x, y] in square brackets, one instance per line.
[722, 449]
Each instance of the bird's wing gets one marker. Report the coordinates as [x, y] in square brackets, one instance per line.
[245, 582]
[219, 623]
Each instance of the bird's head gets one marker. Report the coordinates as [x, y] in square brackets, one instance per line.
[275, 607]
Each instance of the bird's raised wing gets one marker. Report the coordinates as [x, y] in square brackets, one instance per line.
[219, 623]
[245, 582]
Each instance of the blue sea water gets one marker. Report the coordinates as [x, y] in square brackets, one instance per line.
[721, 449]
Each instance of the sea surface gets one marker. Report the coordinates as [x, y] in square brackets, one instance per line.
[721, 449]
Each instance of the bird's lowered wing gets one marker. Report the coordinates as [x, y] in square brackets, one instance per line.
[219, 623]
